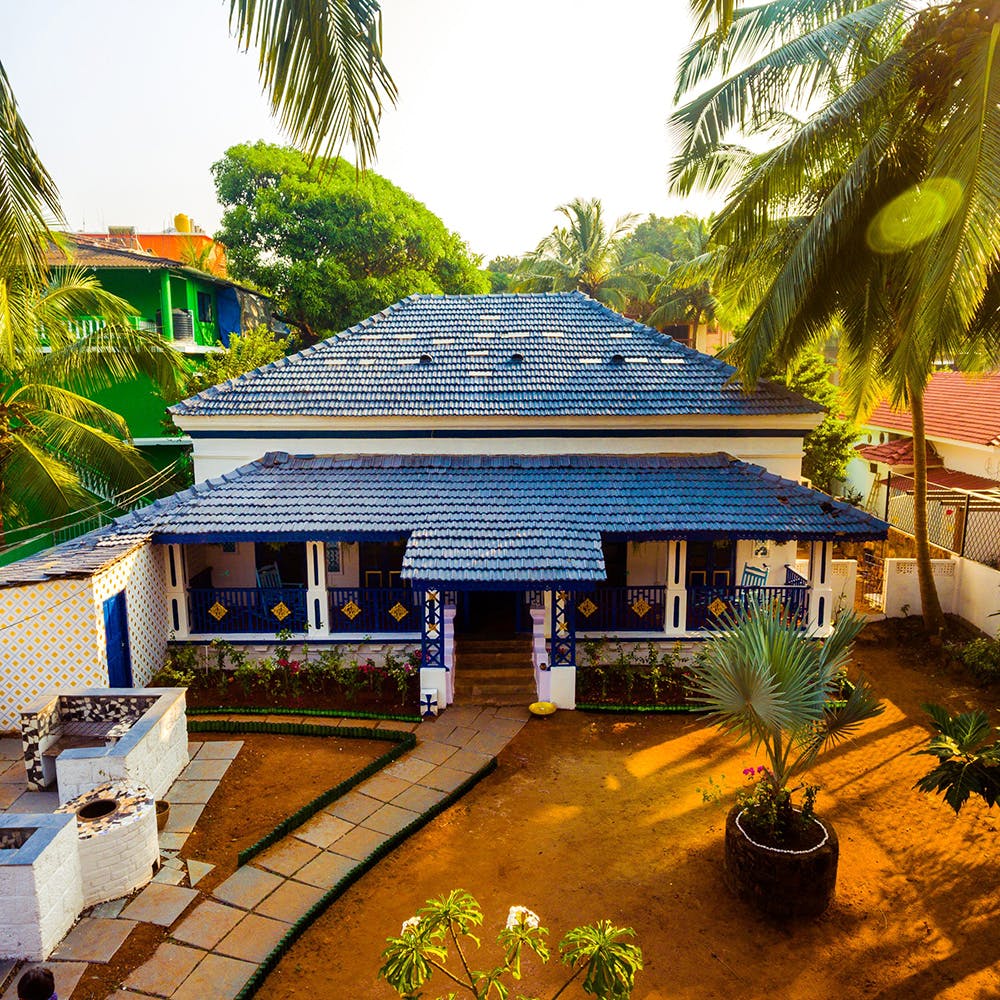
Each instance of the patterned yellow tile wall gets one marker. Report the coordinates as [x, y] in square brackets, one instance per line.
[141, 575]
[52, 633]
[48, 638]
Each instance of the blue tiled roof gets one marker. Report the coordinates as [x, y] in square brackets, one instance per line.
[495, 355]
[502, 519]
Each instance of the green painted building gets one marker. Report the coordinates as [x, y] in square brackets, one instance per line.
[195, 311]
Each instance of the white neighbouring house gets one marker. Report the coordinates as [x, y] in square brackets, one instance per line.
[530, 464]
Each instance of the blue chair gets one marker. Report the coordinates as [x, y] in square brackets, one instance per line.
[754, 576]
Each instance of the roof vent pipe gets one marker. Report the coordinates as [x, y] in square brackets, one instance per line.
[425, 359]
[618, 359]
[516, 358]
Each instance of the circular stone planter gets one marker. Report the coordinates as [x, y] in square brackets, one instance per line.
[781, 883]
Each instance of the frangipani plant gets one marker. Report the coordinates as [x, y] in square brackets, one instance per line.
[778, 687]
[598, 952]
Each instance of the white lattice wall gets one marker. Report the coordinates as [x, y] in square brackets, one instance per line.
[48, 638]
[140, 575]
[52, 633]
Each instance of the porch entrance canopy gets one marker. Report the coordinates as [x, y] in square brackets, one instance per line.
[499, 521]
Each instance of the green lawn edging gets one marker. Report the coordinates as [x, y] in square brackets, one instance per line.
[256, 981]
[637, 709]
[403, 741]
[315, 713]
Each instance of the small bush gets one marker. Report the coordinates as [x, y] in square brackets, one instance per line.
[982, 657]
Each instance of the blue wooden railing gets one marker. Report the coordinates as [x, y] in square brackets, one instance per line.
[369, 610]
[706, 606]
[620, 609]
[226, 610]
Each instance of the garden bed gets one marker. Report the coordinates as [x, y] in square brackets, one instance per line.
[224, 676]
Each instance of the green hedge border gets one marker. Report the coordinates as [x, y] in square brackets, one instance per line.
[403, 741]
[315, 713]
[639, 709]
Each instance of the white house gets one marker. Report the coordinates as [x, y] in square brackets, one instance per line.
[962, 420]
[532, 465]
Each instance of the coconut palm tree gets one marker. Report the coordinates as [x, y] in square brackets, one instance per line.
[321, 63]
[57, 447]
[879, 211]
[585, 255]
[778, 688]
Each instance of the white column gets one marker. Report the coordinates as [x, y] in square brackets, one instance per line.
[175, 574]
[317, 598]
[821, 587]
[675, 612]
[540, 655]
[448, 623]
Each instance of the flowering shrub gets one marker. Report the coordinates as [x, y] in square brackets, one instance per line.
[599, 952]
[767, 807]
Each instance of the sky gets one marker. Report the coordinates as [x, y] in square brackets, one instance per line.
[506, 109]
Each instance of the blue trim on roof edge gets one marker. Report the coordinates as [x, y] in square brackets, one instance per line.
[540, 432]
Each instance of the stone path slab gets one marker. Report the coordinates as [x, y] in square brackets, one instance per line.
[197, 870]
[67, 975]
[207, 924]
[323, 829]
[170, 965]
[288, 857]
[355, 806]
[289, 901]
[220, 749]
[326, 870]
[160, 904]
[247, 886]
[218, 977]
[94, 939]
[389, 819]
[252, 938]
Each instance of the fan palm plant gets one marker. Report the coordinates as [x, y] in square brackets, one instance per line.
[879, 211]
[585, 255]
[779, 689]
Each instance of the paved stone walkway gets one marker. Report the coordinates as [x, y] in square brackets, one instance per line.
[216, 941]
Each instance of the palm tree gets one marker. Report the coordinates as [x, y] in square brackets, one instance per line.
[57, 447]
[687, 287]
[880, 211]
[321, 63]
[774, 686]
[585, 255]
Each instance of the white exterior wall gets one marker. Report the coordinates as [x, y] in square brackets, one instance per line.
[214, 456]
[40, 889]
[647, 564]
[350, 567]
[777, 556]
[50, 639]
[140, 574]
[900, 588]
[978, 460]
[966, 588]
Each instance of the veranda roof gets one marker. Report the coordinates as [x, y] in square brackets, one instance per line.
[478, 520]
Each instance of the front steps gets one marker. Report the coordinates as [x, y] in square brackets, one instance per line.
[494, 670]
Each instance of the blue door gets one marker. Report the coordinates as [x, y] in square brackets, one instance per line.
[116, 636]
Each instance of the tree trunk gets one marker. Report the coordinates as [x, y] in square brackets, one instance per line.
[930, 605]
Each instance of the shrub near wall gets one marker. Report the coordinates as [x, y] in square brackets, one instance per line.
[630, 676]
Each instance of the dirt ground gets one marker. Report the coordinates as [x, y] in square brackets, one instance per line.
[253, 797]
[601, 816]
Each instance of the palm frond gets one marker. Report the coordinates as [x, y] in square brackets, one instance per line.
[43, 481]
[321, 63]
[29, 201]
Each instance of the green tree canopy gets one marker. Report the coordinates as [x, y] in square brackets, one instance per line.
[826, 450]
[333, 246]
[246, 351]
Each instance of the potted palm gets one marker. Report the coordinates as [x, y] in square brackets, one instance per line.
[783, 691]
